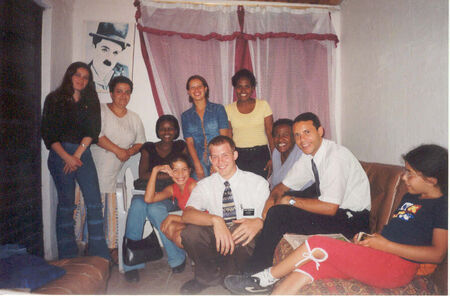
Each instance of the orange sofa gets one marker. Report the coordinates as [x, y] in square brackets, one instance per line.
[84, 275]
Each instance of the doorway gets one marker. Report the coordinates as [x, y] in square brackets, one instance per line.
[20, 116]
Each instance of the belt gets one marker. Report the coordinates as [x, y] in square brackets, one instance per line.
[357, 215]
[254, 148]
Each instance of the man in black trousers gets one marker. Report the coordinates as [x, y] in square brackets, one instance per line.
[338, 201]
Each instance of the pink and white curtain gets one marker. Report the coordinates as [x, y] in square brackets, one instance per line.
[289, 50]
[291, 53]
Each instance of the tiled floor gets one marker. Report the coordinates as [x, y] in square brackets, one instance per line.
[154, 281]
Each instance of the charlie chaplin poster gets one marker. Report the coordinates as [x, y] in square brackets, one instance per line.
[109, 51]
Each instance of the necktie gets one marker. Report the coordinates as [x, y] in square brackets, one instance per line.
[229, 209]
[316, 176]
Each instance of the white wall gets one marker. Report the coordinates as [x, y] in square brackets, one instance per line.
[335, 106]
[394, 76]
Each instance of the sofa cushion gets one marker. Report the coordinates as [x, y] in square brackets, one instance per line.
[84, 275]
[420, 285]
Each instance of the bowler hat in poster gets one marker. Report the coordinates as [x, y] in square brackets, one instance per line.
[115, 32]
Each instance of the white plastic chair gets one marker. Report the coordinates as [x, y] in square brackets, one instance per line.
[124, 193]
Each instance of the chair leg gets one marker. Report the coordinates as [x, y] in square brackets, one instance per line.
[168, 279]
[192, 262]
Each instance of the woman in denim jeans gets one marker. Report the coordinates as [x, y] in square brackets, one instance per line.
[70, 123]
[201, 123]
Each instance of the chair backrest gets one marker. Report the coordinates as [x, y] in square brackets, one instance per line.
[127, 175]
[131, 164]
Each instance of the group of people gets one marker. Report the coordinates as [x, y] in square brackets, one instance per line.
[72, 120]
[232, 217]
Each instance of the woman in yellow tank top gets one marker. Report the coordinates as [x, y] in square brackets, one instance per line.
[251, 122]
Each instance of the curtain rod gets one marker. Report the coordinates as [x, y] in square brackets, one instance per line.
[252, 3]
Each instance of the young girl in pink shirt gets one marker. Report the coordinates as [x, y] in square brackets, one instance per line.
[179, 170]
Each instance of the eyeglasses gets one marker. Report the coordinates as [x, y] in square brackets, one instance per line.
[409, 174]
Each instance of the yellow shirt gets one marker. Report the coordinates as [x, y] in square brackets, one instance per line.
[248, 129]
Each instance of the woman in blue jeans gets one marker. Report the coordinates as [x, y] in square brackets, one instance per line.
[201, 123]
[153, 155]
[70, 123]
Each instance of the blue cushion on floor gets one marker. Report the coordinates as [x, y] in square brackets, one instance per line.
[27, 271]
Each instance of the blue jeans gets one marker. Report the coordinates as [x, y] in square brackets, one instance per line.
[156, 213]
[86, 176]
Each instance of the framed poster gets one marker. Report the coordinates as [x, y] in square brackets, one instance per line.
[109, 51]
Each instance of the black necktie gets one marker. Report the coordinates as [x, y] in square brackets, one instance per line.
[316, 176]
[229, 209]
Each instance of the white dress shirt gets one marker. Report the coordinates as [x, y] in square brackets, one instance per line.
[250, 192]
[343, 181]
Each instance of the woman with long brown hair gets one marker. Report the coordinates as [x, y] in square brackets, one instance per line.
[70, 124]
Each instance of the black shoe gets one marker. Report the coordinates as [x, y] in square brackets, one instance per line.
[132, 276]
[179, 268]
[192, 287]
[245, 285]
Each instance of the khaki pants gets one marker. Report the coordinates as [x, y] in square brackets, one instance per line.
[210, 266]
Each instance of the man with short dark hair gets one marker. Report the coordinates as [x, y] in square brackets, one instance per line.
[223, 215]
[337, 202]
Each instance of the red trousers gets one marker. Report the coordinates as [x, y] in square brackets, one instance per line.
[350, 261]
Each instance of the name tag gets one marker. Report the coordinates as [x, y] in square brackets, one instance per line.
[249, 212]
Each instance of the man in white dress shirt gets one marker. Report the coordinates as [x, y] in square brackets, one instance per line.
[224, 214]
[337, 202]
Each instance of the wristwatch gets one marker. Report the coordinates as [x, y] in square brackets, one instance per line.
[83, 145]
[292, 201]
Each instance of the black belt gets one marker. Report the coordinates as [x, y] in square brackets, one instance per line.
[364, 214]
[254, 148]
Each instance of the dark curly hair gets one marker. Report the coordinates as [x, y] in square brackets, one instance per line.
[281, 121]
[180, 157]
[243, 73]
[120, 79]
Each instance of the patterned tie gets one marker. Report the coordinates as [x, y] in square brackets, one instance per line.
[316, 176]
[229, 209]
